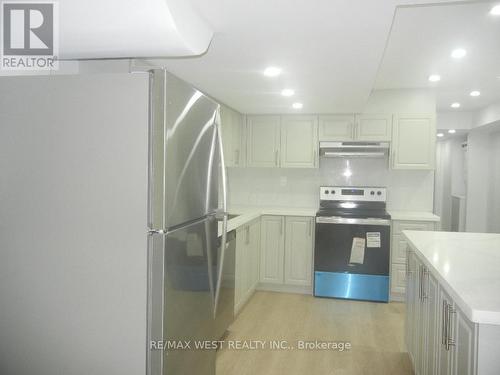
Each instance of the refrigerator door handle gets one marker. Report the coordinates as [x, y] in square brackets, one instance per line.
[224, 210]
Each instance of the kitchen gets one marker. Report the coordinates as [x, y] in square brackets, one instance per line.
[354, 181]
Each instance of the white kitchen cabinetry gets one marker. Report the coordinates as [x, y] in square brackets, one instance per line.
[336, 127]
[373, 127]
[263, 141]
[363, 127]
[298, 250]
[398, 254]
[272, 250]
[439, 338]
[299, 141]
[232, 124]
[286, 253]
[247, 262]
[413, 142]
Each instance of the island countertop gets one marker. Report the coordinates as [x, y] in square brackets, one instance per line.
[468, 267]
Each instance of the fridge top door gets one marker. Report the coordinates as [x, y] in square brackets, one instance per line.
[185, 159]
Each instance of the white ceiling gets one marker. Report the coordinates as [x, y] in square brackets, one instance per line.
[330, 52]
[421, 42]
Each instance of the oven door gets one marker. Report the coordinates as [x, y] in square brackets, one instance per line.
[351, 258]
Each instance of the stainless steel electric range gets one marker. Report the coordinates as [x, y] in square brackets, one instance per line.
[352, 247]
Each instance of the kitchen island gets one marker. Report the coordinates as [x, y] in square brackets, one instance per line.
[453, 302]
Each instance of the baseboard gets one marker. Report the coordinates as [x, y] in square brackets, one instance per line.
[282, 288]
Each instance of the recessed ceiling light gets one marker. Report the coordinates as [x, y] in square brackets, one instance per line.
[458, 53]
[434, 78]
[272, 71]
[455, 105]
[287, 92]
[297, 105]
[440, 135]
[495, 10]
[475, 93]
[452, 131]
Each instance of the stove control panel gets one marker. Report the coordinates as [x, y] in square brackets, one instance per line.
[350, 193]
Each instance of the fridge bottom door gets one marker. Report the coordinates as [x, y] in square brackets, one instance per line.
[182, 269]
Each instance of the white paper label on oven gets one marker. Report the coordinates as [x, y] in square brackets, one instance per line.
[372, 239]
[357, 250]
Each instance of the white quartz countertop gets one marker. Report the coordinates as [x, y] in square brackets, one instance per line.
[248, 214]
[467, 265]
[413, 215]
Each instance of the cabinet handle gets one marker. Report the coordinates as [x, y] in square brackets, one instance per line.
[352, 131]
[444, 317]
[237, 157]
[281, 227]
[310, 228]
[276, 160]
[425, 282]
[450, 341]
[248, 235]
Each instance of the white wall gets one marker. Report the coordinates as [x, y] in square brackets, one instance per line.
[483, 180]
[450, 178]
[402, 101]
[455, 120]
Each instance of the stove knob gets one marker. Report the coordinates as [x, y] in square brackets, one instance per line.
[333, 191]
[326, 192]
[379, 193]
[372, 193]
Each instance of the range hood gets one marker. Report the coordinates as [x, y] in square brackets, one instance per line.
[354, 149]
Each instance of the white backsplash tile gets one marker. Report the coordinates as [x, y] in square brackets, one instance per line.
[407, 190]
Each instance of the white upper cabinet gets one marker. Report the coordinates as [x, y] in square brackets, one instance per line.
[232, 137]
[373, 127]
[263, 141]
[299, 141]
[414, 141]
[298, 250]
[336, 127]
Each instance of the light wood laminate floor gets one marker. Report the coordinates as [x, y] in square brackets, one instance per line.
[375, 331]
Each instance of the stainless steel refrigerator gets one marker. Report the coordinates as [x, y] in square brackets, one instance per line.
[109, 201]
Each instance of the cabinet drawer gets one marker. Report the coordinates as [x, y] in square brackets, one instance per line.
[399, 226]
[398, 278]
[398, 249]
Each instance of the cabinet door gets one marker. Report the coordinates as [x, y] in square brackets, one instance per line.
[254, 251]
[398, 278]
[444, 360]
[272, 250]
[336, 128]
[410, 301]
[431, 314]
[398, 249]
[263, 141]
[373, 127]
[464, 334]
[298, 250]
[299, 142]
[414, 142]
[240, 272]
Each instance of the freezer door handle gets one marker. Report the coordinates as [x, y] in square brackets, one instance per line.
[220, 266]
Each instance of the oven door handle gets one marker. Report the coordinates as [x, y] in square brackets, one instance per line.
[355, 221]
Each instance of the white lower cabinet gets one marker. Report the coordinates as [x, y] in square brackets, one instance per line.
[398, 254]
[298, 250]
[247, 262]
[286, 251]
[439, 338]
[272, 250]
